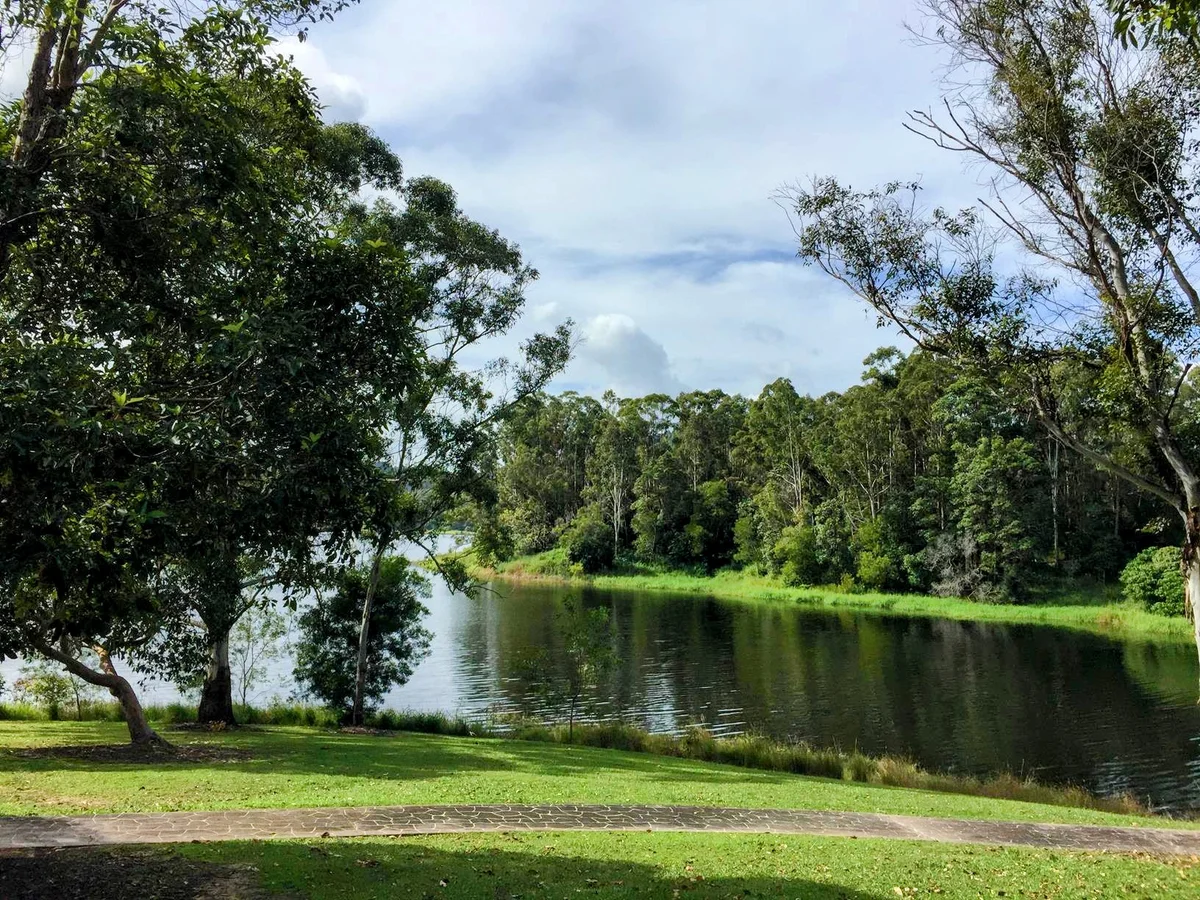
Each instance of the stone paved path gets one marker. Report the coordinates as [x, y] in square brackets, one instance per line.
[179, 827]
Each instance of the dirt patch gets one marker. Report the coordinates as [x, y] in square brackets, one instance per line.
[211, 727]
[132, 753]
[75, 874]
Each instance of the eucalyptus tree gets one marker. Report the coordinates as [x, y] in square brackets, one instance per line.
[442, 417]
[1091, 146]
[1137, 21]
[613, 466]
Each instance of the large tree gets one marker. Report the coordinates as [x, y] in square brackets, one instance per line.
[209, 343]
[1091, 145]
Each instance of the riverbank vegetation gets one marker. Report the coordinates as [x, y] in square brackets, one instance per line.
[920, 480]
[47, 767]
[1097, 608]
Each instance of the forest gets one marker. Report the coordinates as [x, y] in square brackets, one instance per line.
[923, 477]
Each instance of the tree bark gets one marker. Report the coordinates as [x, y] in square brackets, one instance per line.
[1191, 571]
[140, 732]
[216, 694]
[364, 638]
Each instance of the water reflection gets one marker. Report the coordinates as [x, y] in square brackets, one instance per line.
[956, 696]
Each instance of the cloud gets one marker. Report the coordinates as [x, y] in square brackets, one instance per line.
[632, 362]
[632, 150]
[342, 97]
[764, 333]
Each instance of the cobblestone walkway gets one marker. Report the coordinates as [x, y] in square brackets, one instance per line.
[261, 824]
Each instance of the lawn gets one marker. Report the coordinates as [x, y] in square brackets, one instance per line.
[297, 767]
[1095, 609]
[682, 866]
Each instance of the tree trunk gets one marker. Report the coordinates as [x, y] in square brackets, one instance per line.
[216, 695]
[140, 731]
[1191, 571]
[364, 637]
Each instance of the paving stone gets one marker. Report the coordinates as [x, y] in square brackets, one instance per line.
[262, 824]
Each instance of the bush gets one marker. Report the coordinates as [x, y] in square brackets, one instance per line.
[874, 570]
[1153, 581]
[796, 556]
[589, 542]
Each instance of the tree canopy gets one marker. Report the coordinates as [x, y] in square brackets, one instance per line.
[220, 366]
[923, 477]
[1091, 146]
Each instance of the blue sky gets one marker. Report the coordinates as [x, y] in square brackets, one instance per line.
[632, 149]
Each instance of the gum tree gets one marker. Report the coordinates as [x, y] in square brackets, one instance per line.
[1090, 148]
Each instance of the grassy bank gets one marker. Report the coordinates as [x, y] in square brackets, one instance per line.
[43, 770]
[745, 751]
[1095, 609]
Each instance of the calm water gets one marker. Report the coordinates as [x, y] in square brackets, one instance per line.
[956, 696]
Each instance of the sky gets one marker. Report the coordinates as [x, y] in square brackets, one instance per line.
[632, 150]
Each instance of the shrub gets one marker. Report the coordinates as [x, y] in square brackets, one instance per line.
[1152, 580]
[796, 556]
[589, 542]
[874, 570]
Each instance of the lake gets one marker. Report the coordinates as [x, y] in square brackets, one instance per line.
[962, 697]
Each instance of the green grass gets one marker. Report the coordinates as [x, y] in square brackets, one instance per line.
[1087, 608]
[748, 750]
[300, 767]
[689, 866]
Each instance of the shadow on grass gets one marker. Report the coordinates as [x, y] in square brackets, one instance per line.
[375, 870]
[400, 757]
[121, 874]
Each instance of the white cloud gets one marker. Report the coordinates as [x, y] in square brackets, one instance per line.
[632, 150]
[632, 363]
[342, 97]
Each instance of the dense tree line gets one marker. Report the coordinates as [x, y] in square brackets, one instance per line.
[922, 477]
[1083, 117]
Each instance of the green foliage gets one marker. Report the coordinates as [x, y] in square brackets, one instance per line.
[44, 685]
[874, 567]
[216, 343]
[991, 487]
[1138, 21]
[589, 541]
[748, 545]
[588, 657]
[923, 477]
[327, 649]
[796, 556]
[1153, 581]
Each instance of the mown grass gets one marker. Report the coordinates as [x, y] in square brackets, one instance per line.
[1096, 609]
[300, 767]
[690, 865]
[747, 751]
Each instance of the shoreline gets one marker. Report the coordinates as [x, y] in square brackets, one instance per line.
[1116, 620]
